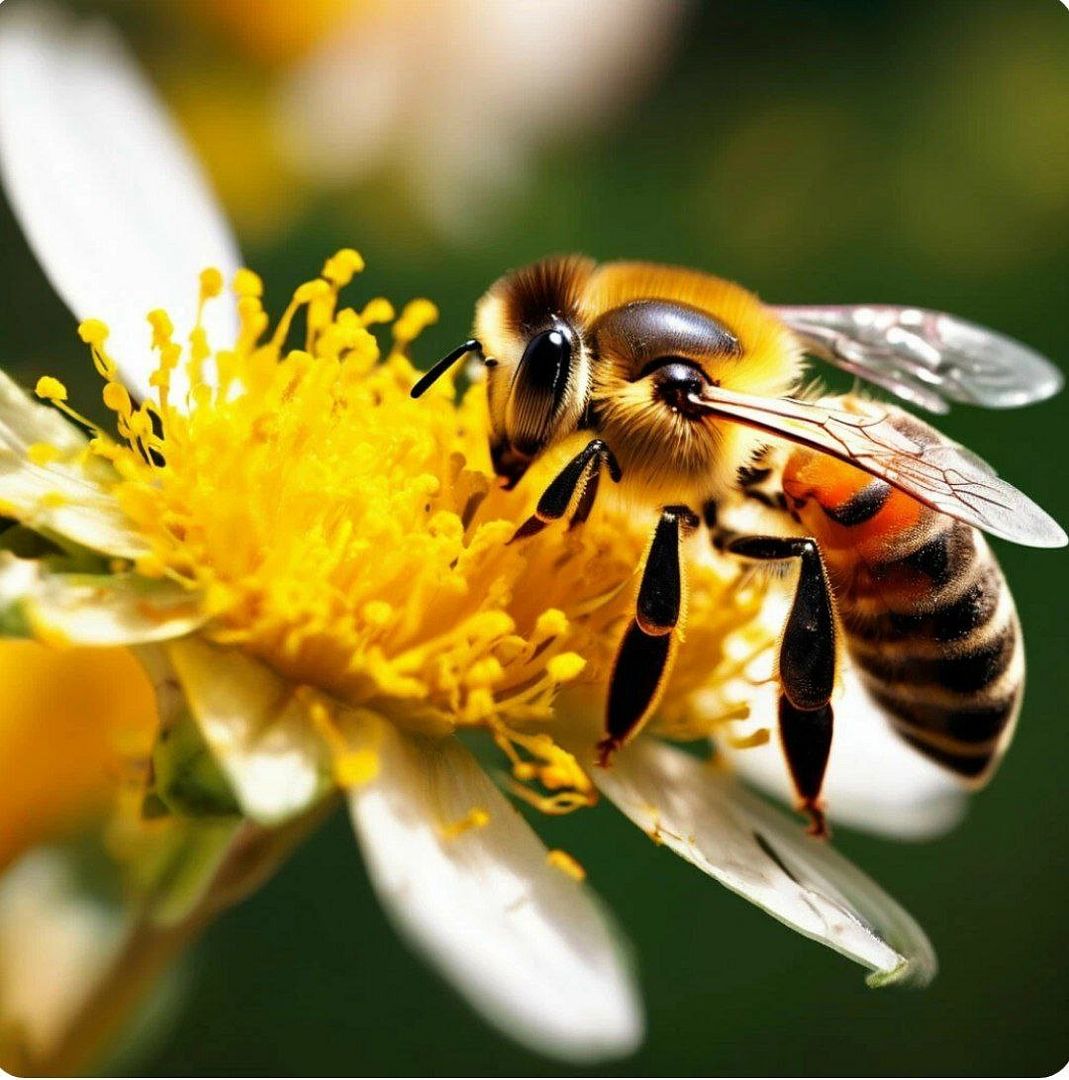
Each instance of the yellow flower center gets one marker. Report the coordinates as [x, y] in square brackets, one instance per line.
[356, 540]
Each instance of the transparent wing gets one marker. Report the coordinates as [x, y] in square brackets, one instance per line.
[902, 450]
[925, 357]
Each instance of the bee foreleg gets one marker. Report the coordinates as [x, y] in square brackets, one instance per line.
[644, 654]
[806, 666]
[582, 474]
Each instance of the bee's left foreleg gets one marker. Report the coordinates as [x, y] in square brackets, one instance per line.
[583, 475]
[807, 655]
[643, 657]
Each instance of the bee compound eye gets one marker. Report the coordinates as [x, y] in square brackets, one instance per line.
[676, 382]
[539, 389]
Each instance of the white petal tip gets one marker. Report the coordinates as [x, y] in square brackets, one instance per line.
[528, 947]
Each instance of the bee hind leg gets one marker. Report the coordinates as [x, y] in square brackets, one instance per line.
[646, 649]
[806, 666]
[582, 474]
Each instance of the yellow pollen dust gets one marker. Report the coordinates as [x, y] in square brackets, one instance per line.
[355, 540]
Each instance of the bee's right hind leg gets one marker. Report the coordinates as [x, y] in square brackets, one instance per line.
[806, 667]
[582, 474]
[643, 658]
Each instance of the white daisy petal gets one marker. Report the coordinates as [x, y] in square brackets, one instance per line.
[54, 946]
[91, 609]
[704, 815]
[61, 496]
[526, 944]
[112, 202]
[875, 780]
[255, 727]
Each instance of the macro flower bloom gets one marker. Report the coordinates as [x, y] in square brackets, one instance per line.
[315, 572]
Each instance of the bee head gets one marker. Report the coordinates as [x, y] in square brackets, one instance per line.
[531, 327]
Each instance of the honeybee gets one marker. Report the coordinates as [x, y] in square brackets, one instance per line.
[689, 388]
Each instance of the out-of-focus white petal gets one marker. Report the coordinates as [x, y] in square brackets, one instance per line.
[526, 944]
[92, 609]
[875, 780]
[54, 945]
[399, 80]
[64, 495]
[706, 816]
[255, 727]
[112, 202]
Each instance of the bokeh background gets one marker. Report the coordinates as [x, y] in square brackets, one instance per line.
[819, 151]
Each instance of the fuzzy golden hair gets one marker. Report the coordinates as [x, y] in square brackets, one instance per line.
[671, 457]
[664, 456]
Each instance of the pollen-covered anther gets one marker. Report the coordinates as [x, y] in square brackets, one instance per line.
[353, 541]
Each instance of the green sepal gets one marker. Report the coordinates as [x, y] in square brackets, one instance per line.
[187, 779]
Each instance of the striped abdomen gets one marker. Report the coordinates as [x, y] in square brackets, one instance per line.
[926, 612]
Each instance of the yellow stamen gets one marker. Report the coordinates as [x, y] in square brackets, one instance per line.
[566, 863]
[355, 541]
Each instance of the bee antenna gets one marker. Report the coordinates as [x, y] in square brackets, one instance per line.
[430, 377]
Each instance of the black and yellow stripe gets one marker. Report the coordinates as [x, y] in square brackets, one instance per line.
[925, 610]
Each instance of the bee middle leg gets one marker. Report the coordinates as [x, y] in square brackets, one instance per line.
[806, 667]
[644, 654]
[582, 474]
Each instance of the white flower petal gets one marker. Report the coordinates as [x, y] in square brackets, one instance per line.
[526, 944]
[875, 780]
[54, 946]
[62, 496]
[257, 730]
[92, 609]
[112, 202]
[704, 815]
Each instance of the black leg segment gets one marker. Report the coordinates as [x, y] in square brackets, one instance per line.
[646, 650]
[582, 474]
[806, 667]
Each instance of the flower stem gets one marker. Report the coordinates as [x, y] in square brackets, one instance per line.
[150, 948]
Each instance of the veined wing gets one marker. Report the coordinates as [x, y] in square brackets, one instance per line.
[926, 357]
[902, 450]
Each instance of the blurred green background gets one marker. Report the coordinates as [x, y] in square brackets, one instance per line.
[818, 151]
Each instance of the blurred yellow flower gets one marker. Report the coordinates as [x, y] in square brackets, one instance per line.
[71, 735]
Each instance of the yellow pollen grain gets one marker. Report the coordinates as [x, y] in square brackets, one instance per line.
[354, 540]
[93, 332]
[50, 389]
[550, 624]
[42, 453]
[355, 767]
[247, 283]
[568, 864]
[211, 283]
[475, 818]
[378, 310]
[340, 268]
[565, 666]
[747, 742]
